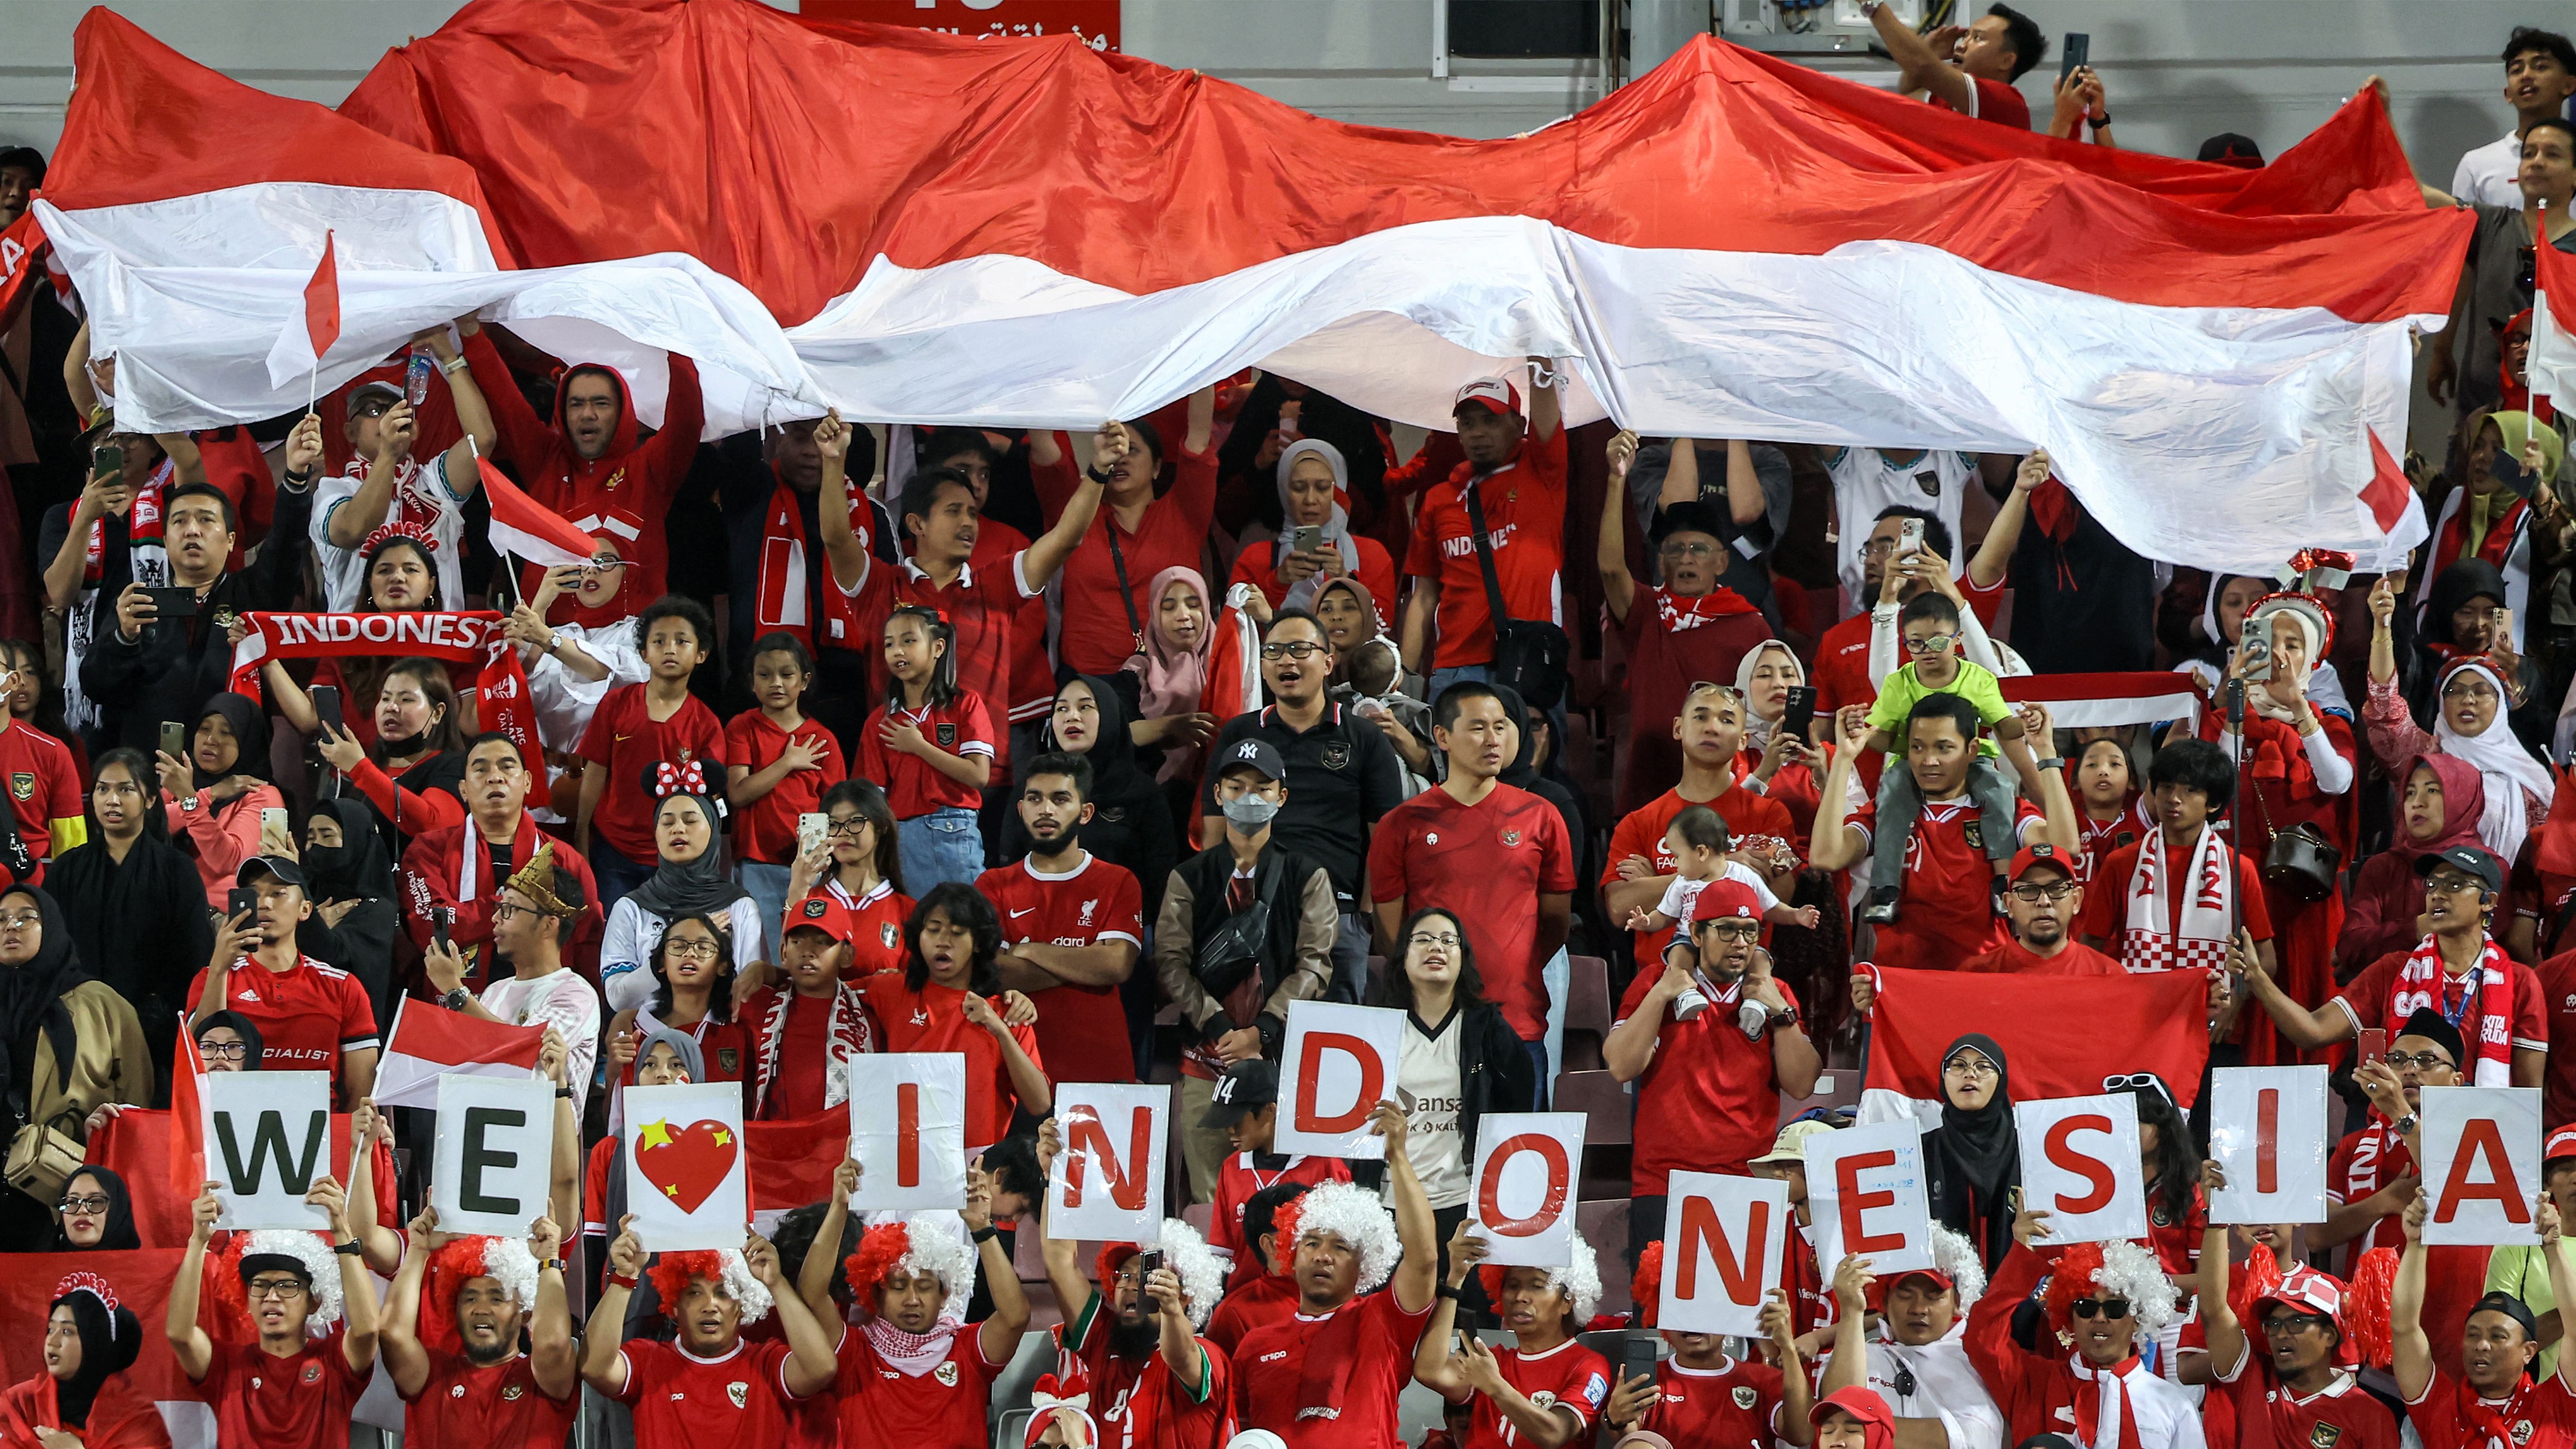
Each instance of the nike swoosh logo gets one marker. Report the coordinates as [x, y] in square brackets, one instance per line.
[1015, 915]
[620, 739]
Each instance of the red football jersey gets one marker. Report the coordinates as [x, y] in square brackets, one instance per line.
[498, 1406]
[765, 829]
[2106, 901]
[1568, 1376]
[959, 727]
[876, 923]
[984, 605]
[1711, 1093]
[1524, 507]
[1488, 862]
[1645, 830]
[1237, 1180]
[1092, 903]
[1142, 1404]
[1948, 912]
[681, 1401]
[44, 786]
[941, 1409]
[2268, 1416]
[1733, 1406]
[1095, 636]
[1257, 1304]
[301, 1401]
[625, 741]
[2540, 1415]
[933, 1019]
[1270, 1366]
[306, 1017]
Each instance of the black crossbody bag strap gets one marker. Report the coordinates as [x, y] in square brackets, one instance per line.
[1484, 552]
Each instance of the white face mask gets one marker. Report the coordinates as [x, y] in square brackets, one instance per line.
[1249, 813]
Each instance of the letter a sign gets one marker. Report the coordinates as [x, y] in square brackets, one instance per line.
[908, 1130]
[2079, 1160]
[1339, 1064]
[268, 1135]
[2482, 1164]
[1108, 1183]
[1722, 1242]
[1523, 1202]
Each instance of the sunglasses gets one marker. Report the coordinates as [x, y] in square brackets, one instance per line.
[2099, 1307]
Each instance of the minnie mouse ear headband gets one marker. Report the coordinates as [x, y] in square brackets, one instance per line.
[662, 780]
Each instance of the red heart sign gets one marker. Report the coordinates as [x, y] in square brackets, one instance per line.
[686, 1163]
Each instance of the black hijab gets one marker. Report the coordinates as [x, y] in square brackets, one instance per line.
[119, 1232]
[1131, 819]
[700, 887]
[31, 997]
[357, 869]
[109, 1340]
[242, 1027]
[1973, 1159]
[250, 731]
[1116, 778]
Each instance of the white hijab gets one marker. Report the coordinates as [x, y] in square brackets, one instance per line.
[1757, 730]
[2325, 687]
[1337, 529]
[2503, 765]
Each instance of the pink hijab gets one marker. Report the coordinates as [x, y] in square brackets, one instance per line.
[1173, 679]
[2464, 806]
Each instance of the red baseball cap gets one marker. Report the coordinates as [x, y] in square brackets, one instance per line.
[2309, 1291]
[1875, 1296]
[1494, 394]
[1723, 898]
[821, 913]
[2045, 854]
[2561, 1143]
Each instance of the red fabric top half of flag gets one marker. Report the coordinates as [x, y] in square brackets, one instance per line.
[513, 510]
[322, 299]
[1921, 1013]
[446, 1038]
[187, 1154]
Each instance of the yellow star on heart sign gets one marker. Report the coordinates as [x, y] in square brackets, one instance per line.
[723, 1138]
[653, 1134]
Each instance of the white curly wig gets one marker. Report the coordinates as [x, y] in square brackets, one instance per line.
[937, 1247]
[1353, 1214]
[1956, 1259]
[2113, 1270]
[1579, 1280]
[1187, 1255]
[321, 1270]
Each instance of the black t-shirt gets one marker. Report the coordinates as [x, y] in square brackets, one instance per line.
[2085, 605]
[1342, 775]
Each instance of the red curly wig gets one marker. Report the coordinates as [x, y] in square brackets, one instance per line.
[671, 1274]
[1648, 1285]
[880, 1249]
[457, 1260]
[2070, 1279]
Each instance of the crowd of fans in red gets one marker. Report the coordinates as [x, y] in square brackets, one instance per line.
[1624, 768]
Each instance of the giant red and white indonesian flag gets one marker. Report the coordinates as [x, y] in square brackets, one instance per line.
[1033, 233]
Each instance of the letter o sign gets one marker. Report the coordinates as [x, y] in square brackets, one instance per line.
[1560, 1182]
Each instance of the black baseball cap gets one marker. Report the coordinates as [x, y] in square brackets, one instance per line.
[2488, 870]
[1261, 755]
[1246, 1088]
[286, 871]
[2227, 148]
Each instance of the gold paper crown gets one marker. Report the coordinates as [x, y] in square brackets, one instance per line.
[535, 880]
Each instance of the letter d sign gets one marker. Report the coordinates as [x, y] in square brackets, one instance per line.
[1339, 1063]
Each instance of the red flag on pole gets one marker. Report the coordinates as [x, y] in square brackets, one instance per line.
[524, 527]
[322, 299]
[187, 1117]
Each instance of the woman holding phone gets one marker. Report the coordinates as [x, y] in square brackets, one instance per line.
[1315, 543]
[215, 788]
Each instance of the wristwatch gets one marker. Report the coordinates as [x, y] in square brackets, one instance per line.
[2098, 122]
[2057, 764]
[347, 1250]
[2405, 1125]
[1785, 1016]
[456, 998]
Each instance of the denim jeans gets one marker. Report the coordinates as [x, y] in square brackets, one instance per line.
[1443, 678]
[615, 874]
[768, 886]
[941, 846]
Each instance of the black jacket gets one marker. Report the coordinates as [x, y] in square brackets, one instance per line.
[178, 664]
[1495, 1073]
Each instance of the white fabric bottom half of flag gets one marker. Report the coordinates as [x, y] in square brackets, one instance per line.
[2085, 701]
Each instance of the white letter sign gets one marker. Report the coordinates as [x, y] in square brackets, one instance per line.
[2481, 1164]
[2267, 1132]
[268, 1135]
[1865, 1192]
[494, 1157]
[1722, 1242]
[1338, 1065]
[686, 1181]
[1523, 1203]
[2079, 1161]
[908, 1130]
[1108, 1183]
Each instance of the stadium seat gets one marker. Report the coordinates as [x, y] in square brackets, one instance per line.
[1587, 1012]
[1605, 1226]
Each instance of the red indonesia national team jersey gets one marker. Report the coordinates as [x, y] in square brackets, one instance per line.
[883, 1406]
[682, 1401]
[1947, 911]
[306, 1017]
[960, 727]
[1733, 1406]
[2540, 1415]
[1270, 1371]
[1092, 903]
[984, 605]
[1488, 862]
[298, 1402]
[498, 1406]
[1568, 1376]
[2342, 1415]
[1524, 506]
[1140, 1403]
[44, 786]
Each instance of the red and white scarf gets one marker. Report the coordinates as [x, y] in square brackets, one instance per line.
[786, 596]
[2488, 998]
[2150, 942]
[2104, 1417]
[142, 535]
[469, 634]
[911, 1354]
[850, 1032]
[1680, 615]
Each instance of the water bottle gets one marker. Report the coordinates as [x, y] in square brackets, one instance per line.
[416, 378]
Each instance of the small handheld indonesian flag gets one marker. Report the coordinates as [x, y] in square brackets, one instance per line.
[311, 332]
[528, 529]
[428, 1040]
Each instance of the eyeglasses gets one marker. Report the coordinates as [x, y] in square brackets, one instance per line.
[1300, 650]
[2033, 894]
[1931, 644]
[849, 825]
[85, 1206]
[1878, 548]
[701, 950]
[1687, 550]
[503, 910]
[2284, 1324]
[1427, 938]
[2477, 689]
[224, 1051]
[281, 1289]
[2420, 1061]
[2452, 885]
[1968, 1066]
[2100, 1307]
[19, 920]
[1733, 930]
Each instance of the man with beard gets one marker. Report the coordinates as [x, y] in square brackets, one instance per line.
[463, 869]
[2042, 903]
[1712, 1084]
[1708, 722]
[707, 1387]
[463, 1378]
[1343, 776]
[1133, 1344]
[586, 458]
[2301, 1390]
[1072, 925]
[1918, 1363]
[1328, 1377]
[2494, 1398]
[1700, 1396]
[2105, 1299]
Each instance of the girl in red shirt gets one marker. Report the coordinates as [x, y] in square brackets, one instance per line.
[778, 764]
[947, 1000]
[860, 870]
[931, 746]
